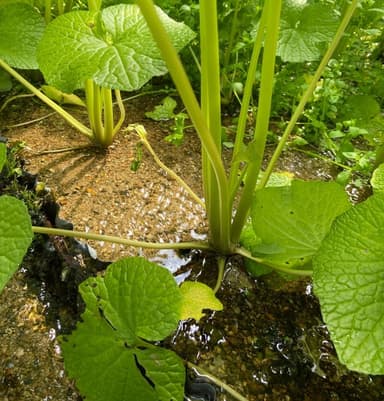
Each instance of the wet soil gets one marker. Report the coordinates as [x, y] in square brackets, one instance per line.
[269, 342]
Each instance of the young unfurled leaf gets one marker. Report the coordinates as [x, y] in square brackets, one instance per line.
[15, 236]
[197, 297]
[349, 282]
[109, 355]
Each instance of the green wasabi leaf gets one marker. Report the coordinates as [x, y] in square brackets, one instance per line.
[349, 282]
[115, 48]
[305, 29]
[15, 236]
[21, 28]
[108, 354]
[197, 297]
[293, 220]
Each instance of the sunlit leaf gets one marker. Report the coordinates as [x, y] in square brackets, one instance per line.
[115, 48]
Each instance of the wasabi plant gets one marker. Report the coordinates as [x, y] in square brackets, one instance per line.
[294, 227]
[116, 53]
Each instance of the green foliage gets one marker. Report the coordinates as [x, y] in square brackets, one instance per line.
[21, 28]
[292, 221]
[197, 297]
[110, 354]
[15, 236]
[164, 112]
[117, 50]
[349, 281]
[306, 28]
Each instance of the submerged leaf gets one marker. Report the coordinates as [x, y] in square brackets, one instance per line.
[15, 236]
[197, 297]
[108, 354]
[349, 282]
[114, 48]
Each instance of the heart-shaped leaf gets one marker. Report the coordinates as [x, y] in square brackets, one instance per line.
[115, 48]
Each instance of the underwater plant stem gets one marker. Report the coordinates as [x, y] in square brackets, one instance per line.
[257, 146]
[119, 240]
[296, 272]
[308, 93]
[217, 381]
[68, 117]
[220, 266]
[188, 97]
[143, 137]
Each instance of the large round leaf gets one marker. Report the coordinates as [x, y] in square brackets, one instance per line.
[349, 281]
[21, 28]
[114, 48]
[108, 354]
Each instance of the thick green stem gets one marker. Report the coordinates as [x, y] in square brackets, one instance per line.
[188, 97]
[218, 211]
[257, 146]
[68, 117]
[308, 93]
[119, 240]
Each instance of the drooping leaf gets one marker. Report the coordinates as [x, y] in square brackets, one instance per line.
[292, 221]
[196, 297]
[304, 31]
[349, 282]
[136, 301]
[15, 236]
[114, 48]
[21, 28]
